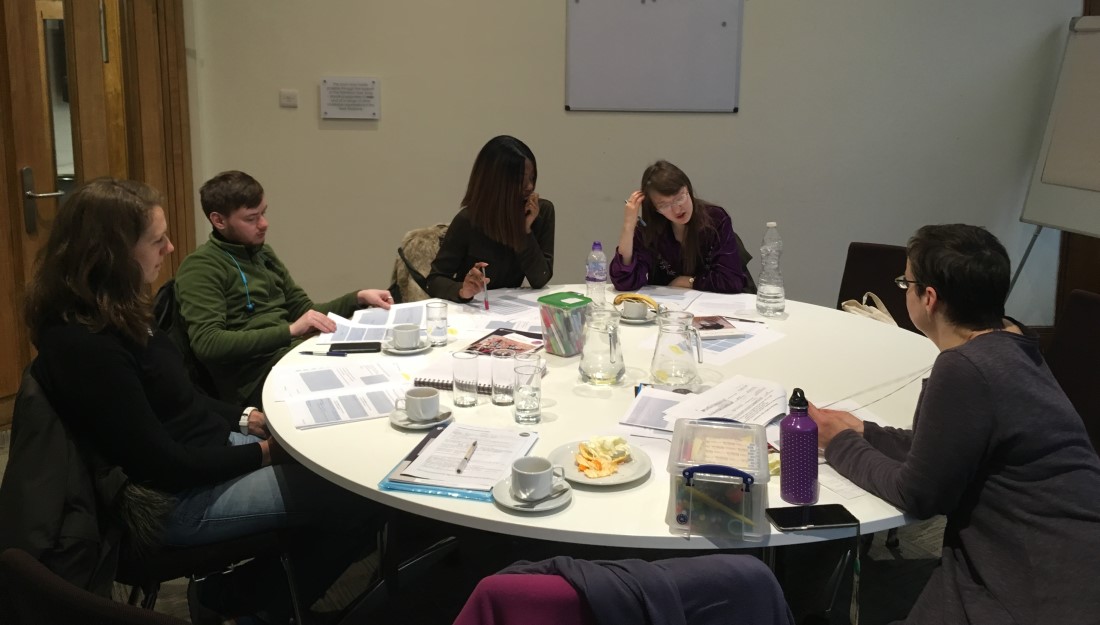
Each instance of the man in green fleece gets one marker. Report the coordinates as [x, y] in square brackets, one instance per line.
[241, 308]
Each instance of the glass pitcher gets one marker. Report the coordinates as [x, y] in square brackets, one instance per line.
[602, 355]
[673, 360]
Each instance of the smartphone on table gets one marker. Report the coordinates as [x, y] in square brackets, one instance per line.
[358, 347]
[821, 516]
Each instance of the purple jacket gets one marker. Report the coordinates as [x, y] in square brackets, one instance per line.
[719, 269]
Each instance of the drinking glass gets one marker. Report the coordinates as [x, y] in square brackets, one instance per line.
[504, 374]
[464, 371]
[527, 394]
[436, 320]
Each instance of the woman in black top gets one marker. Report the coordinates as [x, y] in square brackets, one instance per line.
[504, 231]
[123, 389]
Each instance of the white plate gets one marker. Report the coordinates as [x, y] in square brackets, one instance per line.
[502, 494]
[649, 317]
[402, 420]
[638, 467]
[424, 346]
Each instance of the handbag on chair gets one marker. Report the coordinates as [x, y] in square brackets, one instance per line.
[877, 311]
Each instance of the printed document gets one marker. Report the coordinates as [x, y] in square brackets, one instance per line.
[741, 398]
[490, 462]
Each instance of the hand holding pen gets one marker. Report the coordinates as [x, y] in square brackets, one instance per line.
[474, 282]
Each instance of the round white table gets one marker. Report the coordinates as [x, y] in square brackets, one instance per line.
[830, 354]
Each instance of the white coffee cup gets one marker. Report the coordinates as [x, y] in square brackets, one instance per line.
[535, 478]
[405, 336]
[420, 404]
[635, 310]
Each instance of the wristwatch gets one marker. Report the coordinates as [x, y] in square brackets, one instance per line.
[243, 423]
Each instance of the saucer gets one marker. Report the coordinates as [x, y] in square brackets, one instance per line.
[402, 420]
[424, 346]
[649, 317]
[502, 494]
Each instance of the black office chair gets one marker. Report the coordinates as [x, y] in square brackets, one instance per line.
[1072, 357]
[166, 316]
[873, 267]
[31, 594]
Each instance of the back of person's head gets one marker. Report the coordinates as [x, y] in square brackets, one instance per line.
[495, 195]
[87, 273]
[969, 269]
[664, 178]
[229, 191]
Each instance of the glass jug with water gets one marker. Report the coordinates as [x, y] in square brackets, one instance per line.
[602, 355]
[673, 360]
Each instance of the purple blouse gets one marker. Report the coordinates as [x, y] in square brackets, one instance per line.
[719, 267]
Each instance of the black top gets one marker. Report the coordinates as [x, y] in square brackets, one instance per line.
[139, 409]
[999, 449]
[465, 245]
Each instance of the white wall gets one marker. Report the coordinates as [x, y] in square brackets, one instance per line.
[860, 120]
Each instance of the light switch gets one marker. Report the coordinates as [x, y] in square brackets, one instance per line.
[288, 98]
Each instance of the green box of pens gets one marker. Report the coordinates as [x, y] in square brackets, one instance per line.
[563, 317]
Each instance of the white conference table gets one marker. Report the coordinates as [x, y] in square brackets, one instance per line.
[830, 354]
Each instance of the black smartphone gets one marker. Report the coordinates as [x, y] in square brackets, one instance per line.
[358, 347]
[811, 517]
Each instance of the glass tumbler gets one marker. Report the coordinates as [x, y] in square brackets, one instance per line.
[436, 322]
[527, 394]
[464, 384]
[504, 376]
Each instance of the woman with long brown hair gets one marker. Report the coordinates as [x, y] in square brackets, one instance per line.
[122, 390]
[672, 238]
[504, 232]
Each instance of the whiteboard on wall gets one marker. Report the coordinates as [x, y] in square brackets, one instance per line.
[653, 55]
[1065, 186]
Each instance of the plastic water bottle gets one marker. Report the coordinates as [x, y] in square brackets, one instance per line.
[596, 278]
[798, 453]
[771, 299]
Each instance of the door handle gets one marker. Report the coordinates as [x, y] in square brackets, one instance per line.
[30, 214]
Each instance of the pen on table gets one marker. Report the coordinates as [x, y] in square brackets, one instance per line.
[309, 353]
[466, 458]
[745, 320]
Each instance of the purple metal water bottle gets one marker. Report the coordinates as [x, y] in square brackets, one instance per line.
[798, 453]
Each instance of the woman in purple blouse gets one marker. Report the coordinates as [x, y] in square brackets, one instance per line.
[677, 239]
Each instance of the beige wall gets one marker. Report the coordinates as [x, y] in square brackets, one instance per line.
[860, 120]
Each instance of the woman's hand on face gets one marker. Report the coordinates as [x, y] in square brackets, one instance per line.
[530, 211]
[474, 282]
[633, 207]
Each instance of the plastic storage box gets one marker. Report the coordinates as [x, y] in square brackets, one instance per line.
[563, 317]
[719, 473]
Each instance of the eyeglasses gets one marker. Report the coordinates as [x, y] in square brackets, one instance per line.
[903, 282]
[676, 201]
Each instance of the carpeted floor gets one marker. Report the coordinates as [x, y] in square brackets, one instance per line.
[890, 583]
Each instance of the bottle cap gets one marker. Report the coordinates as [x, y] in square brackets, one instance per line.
[770, 224]
[596, 245]
[798, 399]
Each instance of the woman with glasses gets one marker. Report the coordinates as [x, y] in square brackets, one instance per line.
[995, 445]
[504, 232]
[672, 238]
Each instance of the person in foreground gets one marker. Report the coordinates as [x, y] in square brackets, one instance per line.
[242, 309]
[995, 445]
[122, 388]
[504, 232]
[672, 238]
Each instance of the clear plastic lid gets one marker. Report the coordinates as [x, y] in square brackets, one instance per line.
[707, 441]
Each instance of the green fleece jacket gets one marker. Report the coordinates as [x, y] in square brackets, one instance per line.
[239, 347]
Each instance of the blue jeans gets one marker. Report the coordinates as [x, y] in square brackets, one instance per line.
[339, 525]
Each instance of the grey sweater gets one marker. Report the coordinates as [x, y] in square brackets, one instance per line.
[998, 448]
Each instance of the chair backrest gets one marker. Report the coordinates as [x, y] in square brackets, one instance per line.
[873, 267]
[414, 260]
[32, 594]
[52, 494]
[524, 600]
[750, 284]
[166, 315]
[1072, 357]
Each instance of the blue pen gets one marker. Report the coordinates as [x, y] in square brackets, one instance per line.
[307, 353]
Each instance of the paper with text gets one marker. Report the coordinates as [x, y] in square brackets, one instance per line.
[491, 462]
[741, 398]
